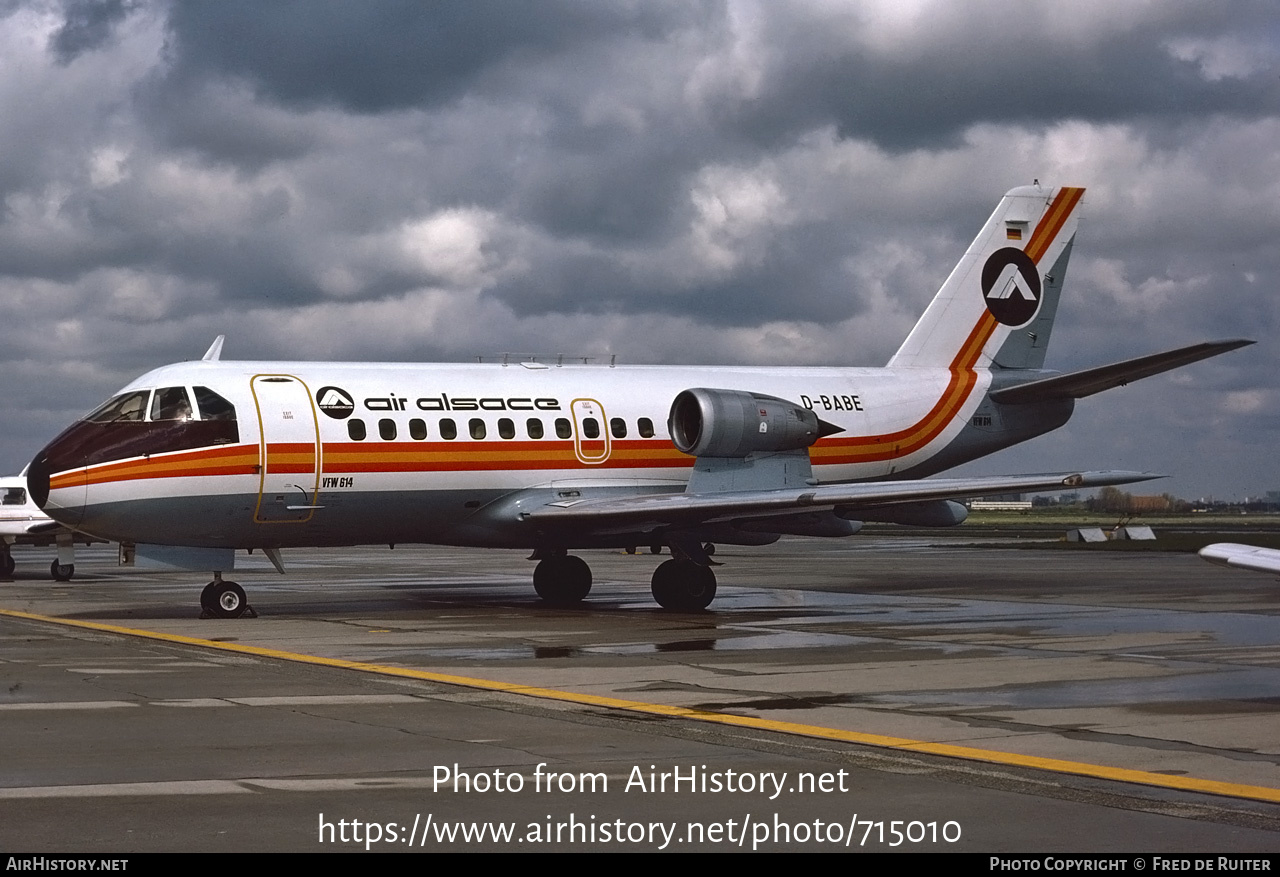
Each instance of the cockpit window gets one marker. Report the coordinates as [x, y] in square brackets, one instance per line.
[126, 406]
[142, 423]
[213, 406]
[170, 403]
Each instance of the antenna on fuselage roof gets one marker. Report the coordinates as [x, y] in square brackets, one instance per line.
[214, 353]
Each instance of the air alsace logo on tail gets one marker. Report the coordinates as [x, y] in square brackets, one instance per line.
[1011, 286]
[335, 402]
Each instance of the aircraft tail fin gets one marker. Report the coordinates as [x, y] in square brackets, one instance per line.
[996, 309]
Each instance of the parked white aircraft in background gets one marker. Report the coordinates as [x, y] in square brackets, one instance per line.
[213, 456]
[1243, 556]
[23, 523]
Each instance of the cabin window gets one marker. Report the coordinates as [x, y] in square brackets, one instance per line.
[170, 403]
[213, 406]
[534, 426]
[15, 496]
[506, 427]
[448, 429]
[355, 429]
[417, 429]
[387, 429]
[476, 427]
[563, 429]
[645, 426]
[125, 407]
[618, 427]
[590, 427]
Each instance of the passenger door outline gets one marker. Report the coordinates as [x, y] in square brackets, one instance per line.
[289, 450]
[591, 451]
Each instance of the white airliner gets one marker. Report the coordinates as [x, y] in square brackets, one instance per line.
[1234, 554]
[216, 455]
[23, 523]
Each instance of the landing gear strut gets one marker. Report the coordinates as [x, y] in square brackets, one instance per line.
[683, 585]
[221, 599]
[64, 565]
[562, 580]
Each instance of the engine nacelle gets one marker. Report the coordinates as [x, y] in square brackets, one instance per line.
[734, 423]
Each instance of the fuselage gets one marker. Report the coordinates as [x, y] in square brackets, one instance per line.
[274, 454]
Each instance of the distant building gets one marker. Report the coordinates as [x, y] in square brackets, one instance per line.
[1149, 504]
[1001, 502]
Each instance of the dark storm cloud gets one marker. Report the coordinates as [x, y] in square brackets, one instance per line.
[88, 25]
[798, 276]
[993, 67]
[376, 57]
[714, 182]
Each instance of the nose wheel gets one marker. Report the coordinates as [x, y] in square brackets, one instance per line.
[62, 572]
[221, 599]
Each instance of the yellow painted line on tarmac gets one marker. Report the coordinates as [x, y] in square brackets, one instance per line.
[1078, 768]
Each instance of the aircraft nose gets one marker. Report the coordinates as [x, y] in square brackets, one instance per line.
[38, 480]
[59, 493]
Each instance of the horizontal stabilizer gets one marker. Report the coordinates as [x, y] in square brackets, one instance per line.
[687, 509]
[1077, 385]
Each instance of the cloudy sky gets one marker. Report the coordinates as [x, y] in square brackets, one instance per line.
[737, 182]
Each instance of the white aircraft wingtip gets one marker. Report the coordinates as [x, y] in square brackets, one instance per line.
[214, 353]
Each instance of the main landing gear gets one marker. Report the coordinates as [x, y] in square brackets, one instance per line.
[683, 585]
[221, 599]
[679, 584]
[562, 579]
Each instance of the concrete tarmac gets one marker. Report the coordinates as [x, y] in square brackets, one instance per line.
[984, 700]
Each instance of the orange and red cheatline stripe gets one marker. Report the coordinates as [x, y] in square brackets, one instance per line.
[862, 449]
[353, 457]
[1052, 221]
[226, 460]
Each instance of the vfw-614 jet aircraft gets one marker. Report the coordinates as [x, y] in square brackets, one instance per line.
[216, 455]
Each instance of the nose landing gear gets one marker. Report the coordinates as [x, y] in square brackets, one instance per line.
[221, 599]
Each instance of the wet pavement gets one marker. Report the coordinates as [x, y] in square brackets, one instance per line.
[1148, 662]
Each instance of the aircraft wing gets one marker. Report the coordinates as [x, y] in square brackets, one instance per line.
[683, 509]
[1243, 556]
[30, 527]
[1077, 385]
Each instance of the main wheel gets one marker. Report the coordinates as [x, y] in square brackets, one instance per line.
[226, 599]
[62, 572]
[7, 565]
[562, 581]
[683, 585]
